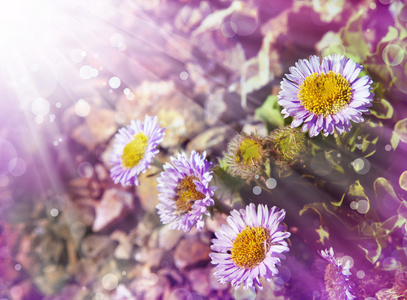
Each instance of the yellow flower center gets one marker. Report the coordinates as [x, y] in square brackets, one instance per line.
[248, 152]
[134, 151]
[250, 247]
[325, 94]
[187, 194]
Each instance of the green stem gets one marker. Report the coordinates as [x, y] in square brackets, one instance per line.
[263, 186]
[339, 141]
[220, 206]
[158, 164]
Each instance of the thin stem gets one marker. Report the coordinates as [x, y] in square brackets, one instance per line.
[220, 206]
[263, 186]
[158, 164]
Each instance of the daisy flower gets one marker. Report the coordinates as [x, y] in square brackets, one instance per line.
[325, 96]
[184, 192]
[250, 246]
[337, 276]
[134, 149]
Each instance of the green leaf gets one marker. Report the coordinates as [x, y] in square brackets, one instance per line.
[383, 188]
[368, 147]
[351, 139]
[223, 164]
[403, 30]
[391, 35]
[374, 124]
[270, 112]
[403, 180]
[368, 229]
[401, 130]
[251, 83]
[320, 209]
[392, 223]
[317, 207]
[323, 234]
[382, 109]
[394, 141]
[339, 203]
[402, 210]
[378, 90]
[357, 191]
[268, 170]
[373, 254]
[353, 39]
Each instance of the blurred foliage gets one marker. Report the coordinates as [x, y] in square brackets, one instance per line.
[270, 113]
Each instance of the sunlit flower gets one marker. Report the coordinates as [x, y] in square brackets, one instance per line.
[134, 149]
[325, 96]
[337, 276]
[250, 247]
[184, 191]
[246, 155]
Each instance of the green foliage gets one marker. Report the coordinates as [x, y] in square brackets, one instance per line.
[353, 39]
[394, 48]
[368, 146]
[372, 255]
[394, 141]
[369, 228]
[228, 184]
[320, 209]
[380, 231]
[382, 109]
[399, 133]
[383, 188]
[357, 191]
[270, 112]
[331, 157]
[403, 180]
[222, 177]
[365, 134]
[387, 66]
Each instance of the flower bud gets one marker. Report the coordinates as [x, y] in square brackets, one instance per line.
[247, 155]
[289, 147]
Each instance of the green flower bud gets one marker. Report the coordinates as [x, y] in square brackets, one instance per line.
[247, 155]
[289, 147]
